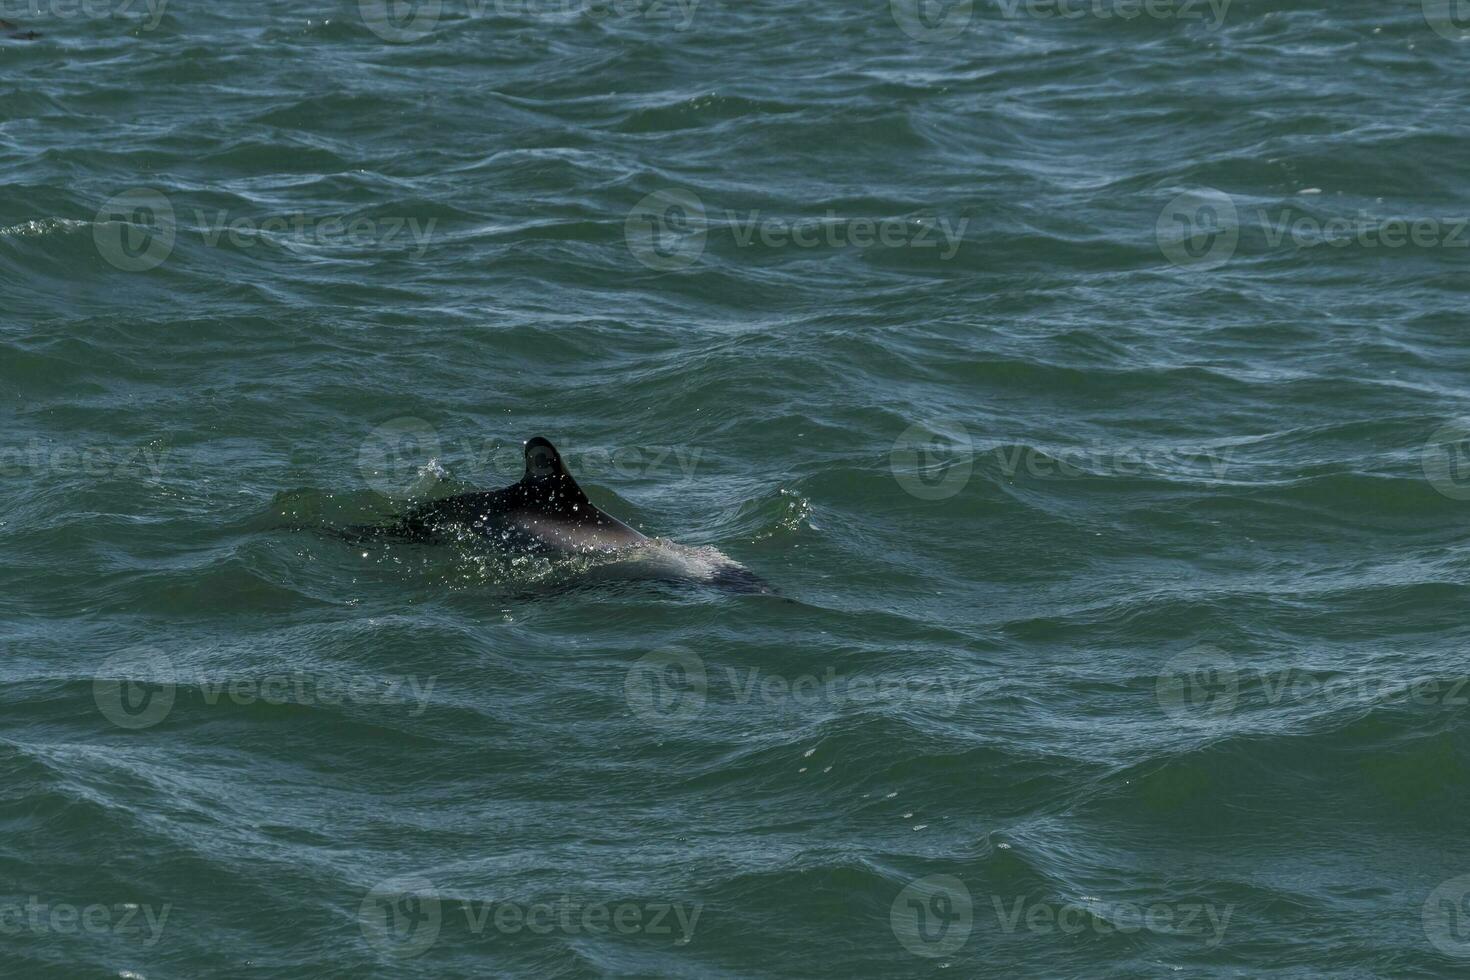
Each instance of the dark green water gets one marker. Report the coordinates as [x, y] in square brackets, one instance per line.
[1088, 387]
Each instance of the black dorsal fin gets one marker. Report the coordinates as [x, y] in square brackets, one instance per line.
[547, 479]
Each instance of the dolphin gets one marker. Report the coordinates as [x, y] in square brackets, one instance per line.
[547, 513]
[27, 36]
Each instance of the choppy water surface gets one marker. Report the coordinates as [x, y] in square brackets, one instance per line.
[1088, 385]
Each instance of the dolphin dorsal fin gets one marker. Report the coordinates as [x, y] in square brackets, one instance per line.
[547, 480]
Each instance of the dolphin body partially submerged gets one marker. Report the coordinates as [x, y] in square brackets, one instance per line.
[16, 33]
[546, 513]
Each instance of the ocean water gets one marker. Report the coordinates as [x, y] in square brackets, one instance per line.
[1087, 380]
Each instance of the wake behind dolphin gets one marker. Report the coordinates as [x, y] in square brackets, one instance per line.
[547, 513]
